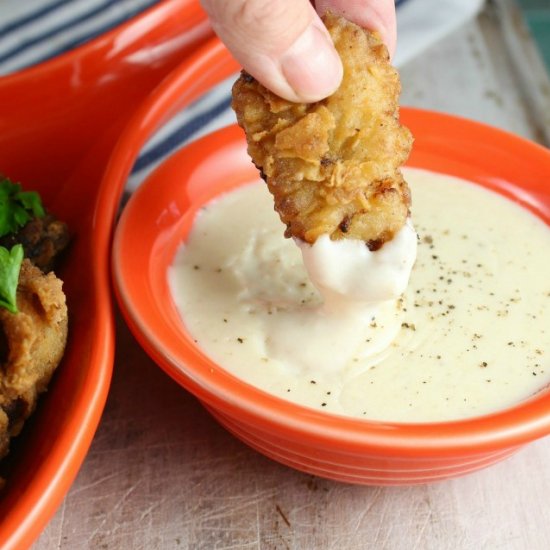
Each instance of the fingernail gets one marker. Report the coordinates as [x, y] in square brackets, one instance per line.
[311, 65]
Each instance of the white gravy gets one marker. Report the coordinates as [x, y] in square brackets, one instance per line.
[470, 335]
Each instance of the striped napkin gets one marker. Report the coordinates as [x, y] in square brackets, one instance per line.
[32, 31]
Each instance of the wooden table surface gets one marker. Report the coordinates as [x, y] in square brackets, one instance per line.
[162, 474]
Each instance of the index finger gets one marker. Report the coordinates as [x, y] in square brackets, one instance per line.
[375, 15]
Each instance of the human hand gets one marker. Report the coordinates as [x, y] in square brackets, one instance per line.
[284, 44]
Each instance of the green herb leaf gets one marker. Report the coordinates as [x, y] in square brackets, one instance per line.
[17, 207]
[10, 265]
[30, 200]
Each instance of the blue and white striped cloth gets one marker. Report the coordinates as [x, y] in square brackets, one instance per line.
[32, 31]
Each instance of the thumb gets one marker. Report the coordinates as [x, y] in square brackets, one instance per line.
[282, 44]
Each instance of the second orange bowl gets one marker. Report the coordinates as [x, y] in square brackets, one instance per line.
[157, 219]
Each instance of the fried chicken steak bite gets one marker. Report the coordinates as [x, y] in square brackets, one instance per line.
[43, 239]
[32, 343]
[333, 166]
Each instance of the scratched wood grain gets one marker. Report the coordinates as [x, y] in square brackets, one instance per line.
[162, 474]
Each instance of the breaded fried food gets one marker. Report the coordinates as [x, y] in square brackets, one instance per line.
[333, 166]
[43, 239]
[32, 343]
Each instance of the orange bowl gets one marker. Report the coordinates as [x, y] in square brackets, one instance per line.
[159, 216]
[58, 124]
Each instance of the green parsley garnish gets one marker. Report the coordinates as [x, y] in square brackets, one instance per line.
[17, 207]
[10, 265]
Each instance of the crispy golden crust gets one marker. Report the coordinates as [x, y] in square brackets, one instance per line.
[333, 166]
[31, 346]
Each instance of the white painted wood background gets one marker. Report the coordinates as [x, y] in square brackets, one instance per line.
[162, 474]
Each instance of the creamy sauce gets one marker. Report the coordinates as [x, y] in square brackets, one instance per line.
[350, 277]
[470, 335]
